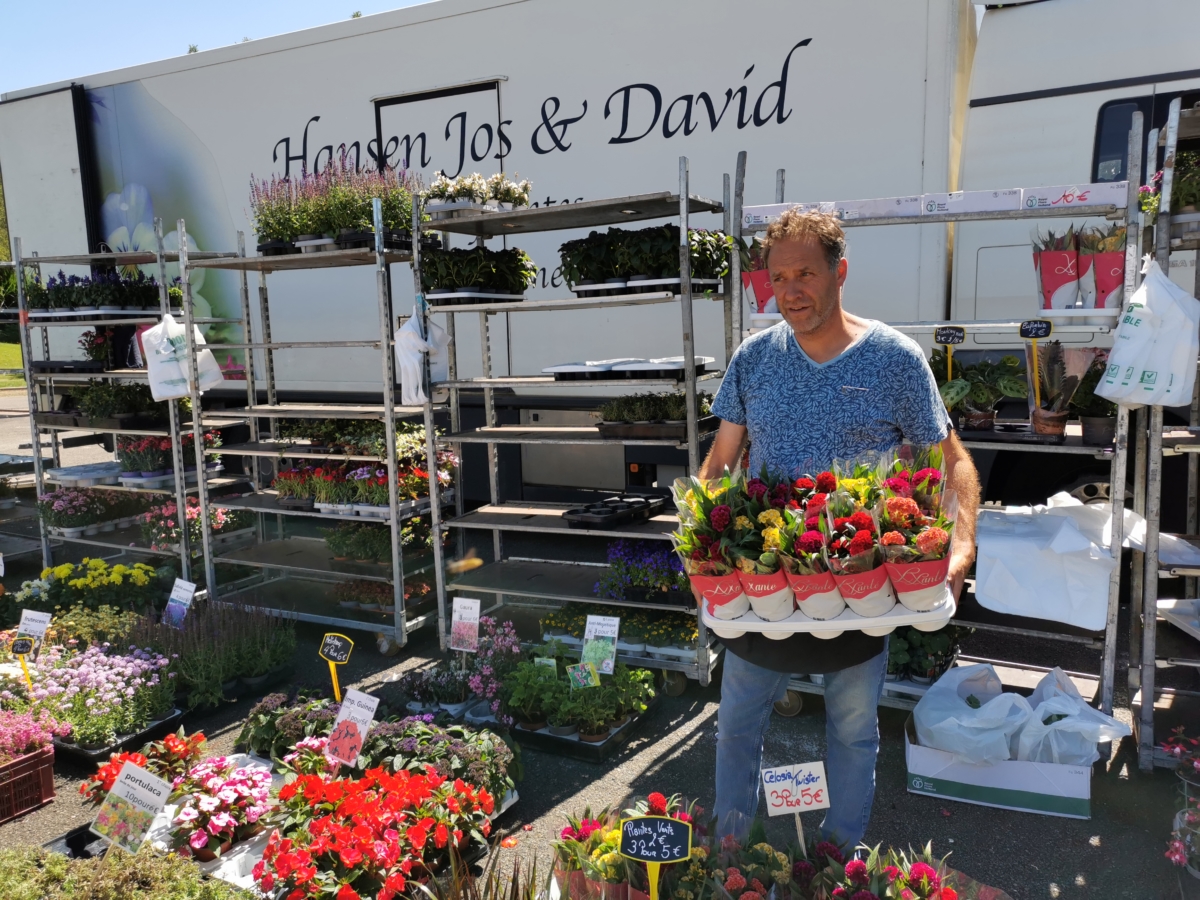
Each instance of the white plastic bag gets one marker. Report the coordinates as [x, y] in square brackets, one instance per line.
[1153, 360]
[1071, 739]
[409, 347]
[947, 720]
[166, 361]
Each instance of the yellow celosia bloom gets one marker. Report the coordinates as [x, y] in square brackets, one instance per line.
[742, 523]
[770, 517]
[746, 565]
[771, 539]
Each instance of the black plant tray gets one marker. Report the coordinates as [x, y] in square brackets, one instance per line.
[656, 430]
[682, 599]
[277, 248]
[67, 366]
[57, 419]
[1012, 437]
[573, 747]
[637, 509]
[131, 742]
[78, 843]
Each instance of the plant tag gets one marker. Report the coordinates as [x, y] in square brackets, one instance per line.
[583, 675]
[351, 726]
[949, 334]
[179, 603]
[600, 642]
[1036, 329]
[335, 648]
[548, 661]
[795, 789]
[464, 625]
[34, 625]
[656, 839]
[125, 816]
[21, 647]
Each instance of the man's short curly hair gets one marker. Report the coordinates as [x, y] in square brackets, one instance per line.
[795, 225]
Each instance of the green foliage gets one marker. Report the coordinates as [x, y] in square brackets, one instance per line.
[508, 271]
[529, 691]
[653, 407]
[1085, 402]
[103, 399]
[979, 387]
[31, 873]
[654, 251]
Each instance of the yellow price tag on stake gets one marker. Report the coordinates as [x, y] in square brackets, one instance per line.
[655, 840]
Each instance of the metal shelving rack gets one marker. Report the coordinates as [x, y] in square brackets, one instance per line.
[37, 384]
[288, 560]
[541, 581]
[1117, 455]
[1167, 707]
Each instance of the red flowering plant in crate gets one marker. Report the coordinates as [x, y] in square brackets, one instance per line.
[705, 541]
[369, 837]
[916, 548]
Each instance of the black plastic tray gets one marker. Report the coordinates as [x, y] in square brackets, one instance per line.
[133, 741]
[67, 366]
[638, 509]
[1012, 437]
[656, 430]
[577, 749]
[78, 843]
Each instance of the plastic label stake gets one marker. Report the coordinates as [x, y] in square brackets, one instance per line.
[655, 840]
[21, 648]
[948, 336]
[1033, 330]
[335, 650]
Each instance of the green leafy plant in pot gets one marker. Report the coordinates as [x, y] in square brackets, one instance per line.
[976, 389]
[1059, 373]
[528, 691]
[1097, 415]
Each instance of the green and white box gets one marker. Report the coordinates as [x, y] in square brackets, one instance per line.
[1046, 788]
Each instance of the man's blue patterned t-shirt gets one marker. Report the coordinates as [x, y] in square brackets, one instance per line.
[802, 415]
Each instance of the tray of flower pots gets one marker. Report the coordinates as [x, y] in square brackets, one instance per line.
[614, 511]
[91, 753]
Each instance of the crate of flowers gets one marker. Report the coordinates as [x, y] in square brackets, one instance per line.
[26, 761]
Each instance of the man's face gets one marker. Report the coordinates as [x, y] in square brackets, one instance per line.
[807, 291]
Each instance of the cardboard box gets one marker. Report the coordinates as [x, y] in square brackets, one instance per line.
[971, 201]
[885, 208]
[1046, 788]
[1104, 193]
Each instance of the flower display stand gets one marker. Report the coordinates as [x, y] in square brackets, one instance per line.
[26, 783]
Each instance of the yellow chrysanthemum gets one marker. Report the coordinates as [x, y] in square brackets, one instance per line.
[742, 523]
[770, 517]
[771, 539]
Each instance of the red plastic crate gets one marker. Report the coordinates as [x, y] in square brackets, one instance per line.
[26, 783]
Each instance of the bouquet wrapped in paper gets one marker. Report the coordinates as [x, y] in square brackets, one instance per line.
[803, 548]
[759, 525]
[915, 543]
[705, 538]
[852, 542]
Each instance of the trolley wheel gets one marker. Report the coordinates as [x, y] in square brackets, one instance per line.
[674, 683]
[791, 705]
[386, 645]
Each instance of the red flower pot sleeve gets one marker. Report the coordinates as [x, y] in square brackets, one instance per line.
[920, 586]
[764, 295]
[817, 596]
[1058, 277]
[723, 595]
[770, 596]
[1110, 279]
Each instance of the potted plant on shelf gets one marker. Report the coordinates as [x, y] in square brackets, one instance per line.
[1097, 416]
[528, 690]
[562, 710]
[295, 488]
[979, 387]
[1060, 370]
[933, 653]
[506, 195]
[898, 656]
[596, 708]
[645, 571]
[219, 805]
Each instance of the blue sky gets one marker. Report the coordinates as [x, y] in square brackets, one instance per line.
[57, 40]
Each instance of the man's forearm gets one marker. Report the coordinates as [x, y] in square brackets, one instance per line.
[726, 451]
[963, 479]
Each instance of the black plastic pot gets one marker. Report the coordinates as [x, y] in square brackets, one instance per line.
[78, 843]
[1098, 431]
[130, 742]
[614, 511]
[277, 247]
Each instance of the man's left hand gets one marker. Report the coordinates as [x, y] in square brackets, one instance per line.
[960, 564]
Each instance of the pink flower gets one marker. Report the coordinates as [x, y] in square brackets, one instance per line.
[856, 872]
[198, 840]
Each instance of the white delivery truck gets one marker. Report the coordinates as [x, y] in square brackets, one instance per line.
[854, 98]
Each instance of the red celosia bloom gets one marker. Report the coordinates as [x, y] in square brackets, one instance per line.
[779, 495]
[657, 804]
[892, 873]
[752, 895]
[720, 517]
[816, 503]
[946, 893]
[756, 489]
[861, 543]
[683, 817]
[735, 882]
[862, 521]
[928, 478]
[804, 484]
[903, 511]
[923, 875]
[803, 872]
[932, 541]
[826, 482]
[825, 851]
[899, 486]
[892, 539]
[810, 542]
[856, 872]
[757, 887]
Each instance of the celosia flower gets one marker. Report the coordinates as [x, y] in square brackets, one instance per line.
[862, 521]
[901, 487]
[862, 542]
[927, 478]
[657, 804]
[770, 517]
[856, 872]
[826, 482]
[902, 510]
[826, 851]
[932, 541]
[816, 503]
[924, 875]
[892, 539]
[743, 523]
[770, 539]
[803, 872]
[756, 489]
[810, 542]
[720, 517]
[735, 881]
[804, 484]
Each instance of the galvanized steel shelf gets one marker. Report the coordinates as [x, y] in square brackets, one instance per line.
[311, 556]
[1107, 210]
[549, 381]
[309, 411]
[568, 582]
[291, 262]
[267, 501]
[551, 434]
[568, 303]
[547, 518]
[292, 450]
[38, 322]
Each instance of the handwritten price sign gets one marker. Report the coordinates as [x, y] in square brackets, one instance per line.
[795, 789]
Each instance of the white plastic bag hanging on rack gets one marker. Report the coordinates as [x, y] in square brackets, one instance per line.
[409, 347]
[1153, 360]
[166, 361]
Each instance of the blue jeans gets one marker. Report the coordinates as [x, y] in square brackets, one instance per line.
[851, 733]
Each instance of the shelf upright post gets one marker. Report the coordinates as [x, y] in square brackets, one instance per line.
[738, 304]
[193, 374]
[1116, 481]
[248, 337]
[435, 511]
[388, 366]
[174, 419]
[1193, 461]
[728, 309]
[780, 175]
[31, 396]
[685, 304]
[264, 314]
[55, 456]
[455, 421]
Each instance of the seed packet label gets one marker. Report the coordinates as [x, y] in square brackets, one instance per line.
[351, 726]
[600, 642]
[583, 675]
[34, 625]
[179, 603]
[548, 661]
[795, 789]
[464, 625]
[125, 816]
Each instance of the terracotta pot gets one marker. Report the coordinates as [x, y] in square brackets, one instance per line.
[594, 738]
[1045, 422]
[205, 855]
[532, 726]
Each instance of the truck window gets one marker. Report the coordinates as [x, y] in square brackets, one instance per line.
[1112, 137]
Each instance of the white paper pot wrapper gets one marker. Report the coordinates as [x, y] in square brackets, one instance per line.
[817, 596]
[920, 586]
[723, 596]
[771, 596]
[847, 620]
[725, 632]
[869, 594]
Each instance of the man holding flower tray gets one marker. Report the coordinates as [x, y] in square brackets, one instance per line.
[820, 386]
